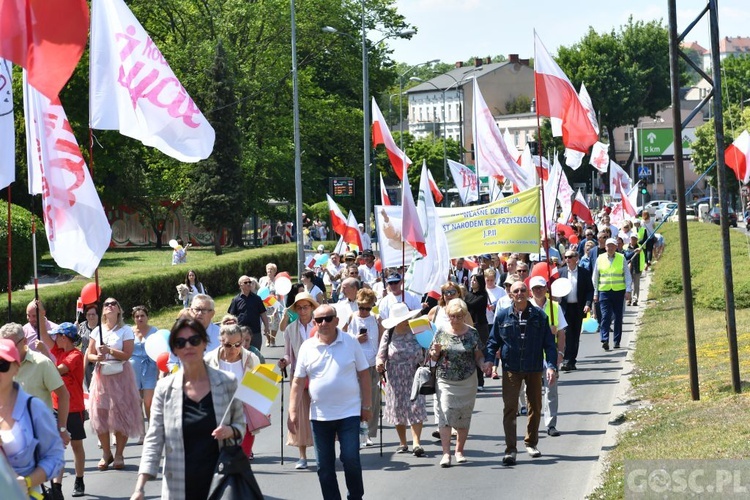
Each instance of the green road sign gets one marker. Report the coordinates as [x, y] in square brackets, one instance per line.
[655, 144]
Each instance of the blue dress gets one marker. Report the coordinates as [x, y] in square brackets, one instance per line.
[143, 366]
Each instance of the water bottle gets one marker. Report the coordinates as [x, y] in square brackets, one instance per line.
[364, 431]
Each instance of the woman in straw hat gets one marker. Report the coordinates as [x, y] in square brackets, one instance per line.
[294, 334]
[401, 354]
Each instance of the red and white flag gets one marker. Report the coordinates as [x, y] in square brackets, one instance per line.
[580, 209]
[618, 175]
[338, 221]
[557, 98]
[133, 89]
[381, 135]
[465, 180]
[7, 128]
[352, 236]
[565, 193]
[492, 155]
[384, 199]
[436, 193]
[411, 229]
[736, 157]
[45, 38]
[77, 228]
[599, 158]
[627, 206]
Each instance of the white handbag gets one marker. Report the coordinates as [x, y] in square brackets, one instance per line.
[111, 367]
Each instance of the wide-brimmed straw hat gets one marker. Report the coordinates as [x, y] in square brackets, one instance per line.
[304, 296]
[398, 313]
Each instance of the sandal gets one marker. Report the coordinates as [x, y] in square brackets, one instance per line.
[104, 463]
[118, 463]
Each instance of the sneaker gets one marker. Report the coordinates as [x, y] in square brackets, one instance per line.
[301, 464]
[460, 458]
[402, 448]
[524, 410]
[480, 388]
[617, 345]
[445, 462]
[605, 346]
[564, 367]
[418, 451]
[509, 458]
[79, 489]
[436, 434]
[533, 451]
[552, 431]
[368, 442]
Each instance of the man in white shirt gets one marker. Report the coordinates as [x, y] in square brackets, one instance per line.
[202, 310]
[333, 274]
[366, 241]
[339, 385]
[367, 271]
[394, 283]
[348, 303]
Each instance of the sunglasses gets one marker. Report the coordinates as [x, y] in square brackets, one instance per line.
[4, 366]
[181, 342]
[518, 290]
[235, 345]
[110, 303]
[571, 256]
[450, 292]
[327, 319]
[363, 308]
[522, 271]
[246, 283]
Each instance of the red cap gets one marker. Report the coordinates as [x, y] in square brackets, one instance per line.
[8, 351]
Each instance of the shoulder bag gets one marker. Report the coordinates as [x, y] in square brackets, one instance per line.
[425, 379]
[233, 476]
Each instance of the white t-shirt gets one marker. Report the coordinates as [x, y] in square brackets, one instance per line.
[334, 378]
[368, 274]
[233, 367]
[344, 309]
[493, 294]
[114, 339]
[411, 299]
[370, 348]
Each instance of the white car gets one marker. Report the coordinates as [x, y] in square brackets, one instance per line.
[651, 207]
[664, 210]
[690, 216]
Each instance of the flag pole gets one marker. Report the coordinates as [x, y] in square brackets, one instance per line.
[281, 417]
[97, 288]
[36, 275]
[10, 246]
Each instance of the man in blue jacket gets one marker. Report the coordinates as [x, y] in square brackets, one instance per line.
[522, 334]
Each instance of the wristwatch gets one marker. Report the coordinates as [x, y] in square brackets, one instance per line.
[367, 408]
[62, 429]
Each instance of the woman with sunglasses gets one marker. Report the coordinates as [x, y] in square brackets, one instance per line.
[232, 357]
[192, 415]
[294, 335]
[115, 405]
[449, 291]
[29, 438]
[364, 327]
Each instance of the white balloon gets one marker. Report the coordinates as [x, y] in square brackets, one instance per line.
[283, 285]
[561, 287]
[173, 243]
[157, 343]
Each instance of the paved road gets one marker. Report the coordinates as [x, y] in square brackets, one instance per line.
[566, 469]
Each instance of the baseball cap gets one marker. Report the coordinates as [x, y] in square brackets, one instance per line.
[68, 329]
[367, 253]
[350, 255]
[8, 351]
[536, 281]
[393, 278]
[611, 241]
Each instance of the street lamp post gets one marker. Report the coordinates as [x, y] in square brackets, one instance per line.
[366, 103]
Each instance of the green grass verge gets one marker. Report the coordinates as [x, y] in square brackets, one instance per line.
[670, 425]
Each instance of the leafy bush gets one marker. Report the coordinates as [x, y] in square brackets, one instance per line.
[22, 259]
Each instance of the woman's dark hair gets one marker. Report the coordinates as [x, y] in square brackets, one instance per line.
[143, 309]
[187, 279]
[186, 323]
[296, 288]
[482, 285]
[308, 274]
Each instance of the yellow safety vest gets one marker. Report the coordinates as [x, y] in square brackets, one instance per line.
[549, 316]
[611, 275]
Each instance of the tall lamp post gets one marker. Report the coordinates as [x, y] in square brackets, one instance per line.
[366, 103]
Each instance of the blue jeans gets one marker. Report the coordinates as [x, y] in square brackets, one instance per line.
[612, 304]
[324, 437]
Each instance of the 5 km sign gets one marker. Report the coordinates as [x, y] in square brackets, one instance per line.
[657, 144]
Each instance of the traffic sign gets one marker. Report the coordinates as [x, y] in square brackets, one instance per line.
[657, 144]
[644, 171]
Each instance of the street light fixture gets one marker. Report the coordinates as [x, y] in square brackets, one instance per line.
[366, 103]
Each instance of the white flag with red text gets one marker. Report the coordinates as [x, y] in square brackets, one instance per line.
[465, 180]
[558, 99]
[618, 176]
[133, 89]
[77, 228]
[381, 135]
[7, 128]
[492, 155]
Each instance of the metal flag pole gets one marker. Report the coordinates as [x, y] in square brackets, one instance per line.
[281, 417]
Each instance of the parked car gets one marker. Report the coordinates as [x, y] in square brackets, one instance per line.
[651, 207]
[664, 210]
[715, 216]
[690, 216]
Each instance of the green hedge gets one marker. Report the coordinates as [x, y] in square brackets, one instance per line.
[157, 290]
[21, 256]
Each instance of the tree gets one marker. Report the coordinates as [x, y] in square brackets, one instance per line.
[214, 199]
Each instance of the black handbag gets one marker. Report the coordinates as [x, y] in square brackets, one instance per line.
[233, 476]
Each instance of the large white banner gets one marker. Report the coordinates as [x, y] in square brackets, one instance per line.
[7, 130]
[133, 89]
[77, 228]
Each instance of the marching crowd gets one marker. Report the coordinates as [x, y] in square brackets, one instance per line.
[345, 332]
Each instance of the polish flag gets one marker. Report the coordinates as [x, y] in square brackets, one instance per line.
[580, 208]
[557, 98]
[353, 237]
[77, 228]
[436, 194]
[411, 229]
[46, 38]
[627, 207]
[736, 157]
[133, 90]
[384, 200]
[492, 155]
[381, 135]
[338, 221]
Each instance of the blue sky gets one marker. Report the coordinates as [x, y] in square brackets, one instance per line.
[452, 30]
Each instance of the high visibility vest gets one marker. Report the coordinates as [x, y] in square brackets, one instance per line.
[611, 275]
[549, 316]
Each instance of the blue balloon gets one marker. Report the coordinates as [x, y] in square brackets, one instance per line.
[425, 338]
[590, 325]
